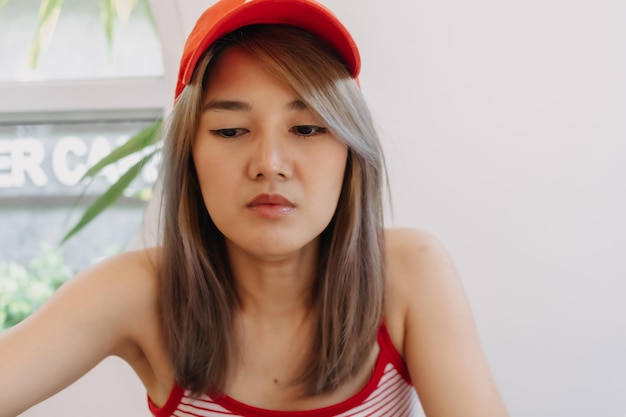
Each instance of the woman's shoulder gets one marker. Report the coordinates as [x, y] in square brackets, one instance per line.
[126, 282]
[118, 294]
[125, 277]
[136, 269]
[144, 261]
[407, 243]
[414, 257]
[107, 309]
[416, 261]
[430, 323]
[132, 280]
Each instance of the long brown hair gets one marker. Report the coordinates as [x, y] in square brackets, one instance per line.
[197, 292]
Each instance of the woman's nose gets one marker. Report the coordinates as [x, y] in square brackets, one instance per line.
[270, 157]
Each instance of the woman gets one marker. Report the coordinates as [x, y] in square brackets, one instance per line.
[276, 290]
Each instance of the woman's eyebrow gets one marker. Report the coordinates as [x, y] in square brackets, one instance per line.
[235, 105]
[297, 105]
[231, 105]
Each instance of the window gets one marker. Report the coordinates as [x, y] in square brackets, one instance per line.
[83, 97]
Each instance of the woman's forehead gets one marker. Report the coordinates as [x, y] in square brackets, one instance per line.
[237, 75]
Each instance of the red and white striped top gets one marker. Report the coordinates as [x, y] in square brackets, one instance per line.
[389, 393]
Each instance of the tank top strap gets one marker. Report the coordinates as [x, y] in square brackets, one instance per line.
[389, 351]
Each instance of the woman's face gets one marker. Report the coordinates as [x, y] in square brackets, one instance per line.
[269, 170]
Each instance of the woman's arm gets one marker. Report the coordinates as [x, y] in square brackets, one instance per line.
[87, 319]
[441, 344]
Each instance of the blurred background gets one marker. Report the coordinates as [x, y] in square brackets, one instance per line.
[504, 125]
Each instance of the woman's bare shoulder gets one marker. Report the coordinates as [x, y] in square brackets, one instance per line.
[102, 311]
[130, 279]
[137, 276]
[407, 242]
[134, 270]
[412, 256]
[433, 327]
[120, 291]
[141, 261]
[415, 259]
[415, 256]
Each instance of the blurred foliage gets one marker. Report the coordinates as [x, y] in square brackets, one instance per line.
[48, 15]
[24, 289]
[143, 145]
[110, 12]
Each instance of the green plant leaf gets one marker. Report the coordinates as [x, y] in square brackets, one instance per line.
[148, 9]
[124, 8]
[49, 11]
[136, 143]
[110, 196]
[107, 14]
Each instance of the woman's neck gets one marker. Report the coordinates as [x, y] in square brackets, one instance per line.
[276, 287]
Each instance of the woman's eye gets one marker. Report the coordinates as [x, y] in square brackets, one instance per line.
[228, 133]
[308, 130]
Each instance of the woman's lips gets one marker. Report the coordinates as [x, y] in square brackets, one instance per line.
[270, 206]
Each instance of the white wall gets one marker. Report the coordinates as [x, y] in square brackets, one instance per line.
[504, 124]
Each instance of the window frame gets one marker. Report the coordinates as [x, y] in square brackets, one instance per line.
[69, 100]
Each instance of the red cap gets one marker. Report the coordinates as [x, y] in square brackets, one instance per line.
[228, 15]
